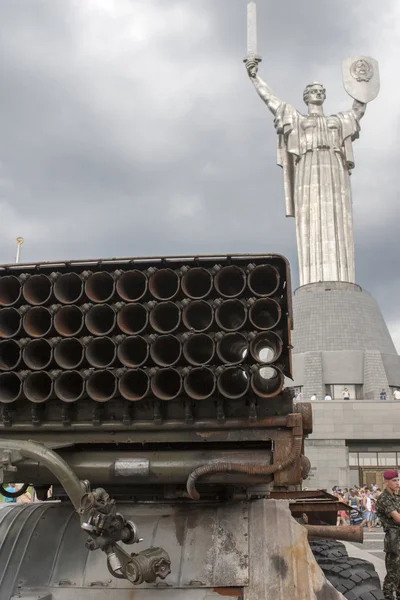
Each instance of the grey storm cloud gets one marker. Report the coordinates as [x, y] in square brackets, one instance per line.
[128, 127]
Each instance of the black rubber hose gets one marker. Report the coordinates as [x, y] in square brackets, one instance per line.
[16, 494]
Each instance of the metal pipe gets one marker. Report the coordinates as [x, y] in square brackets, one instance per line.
[263, 280]
[165, 350]
[133, 351]
[69, 386]
[101, 386]
[10, 355]
[230, 315]
[165, 317]
[38, 387]
[197, 315]
[144, 467]
[69, 288]
[232, 348]
[267, 381]
[38, 321]
[10, 322]
[134, 384]
[10, 387]
[198, 349]
[37, 289]
[164, 284]
[38, 354]
[38, 452]
[230, 281]
[101, 352]
[199, 383]
[69, 353]
[347, 533]
[233, 382]
[197, 283]
[166, 384]
[133, 318]
[10, 290]
[132, 285]
[101, 319]
[100, 287]
[264, 313]
[266, 347]
[69, 321]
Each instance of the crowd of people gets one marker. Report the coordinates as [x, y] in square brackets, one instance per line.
[363, 505]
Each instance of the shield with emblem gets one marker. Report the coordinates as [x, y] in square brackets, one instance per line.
[361, 78]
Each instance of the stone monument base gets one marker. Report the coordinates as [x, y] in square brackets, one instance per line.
[340, 338]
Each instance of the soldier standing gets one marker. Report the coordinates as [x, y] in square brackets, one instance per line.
[388, 510]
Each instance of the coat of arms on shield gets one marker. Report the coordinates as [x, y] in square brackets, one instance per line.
[361, 78]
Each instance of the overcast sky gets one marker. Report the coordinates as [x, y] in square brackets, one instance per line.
[129, 127]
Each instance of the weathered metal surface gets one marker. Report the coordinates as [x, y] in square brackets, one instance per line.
[286, 568]
[43, 548]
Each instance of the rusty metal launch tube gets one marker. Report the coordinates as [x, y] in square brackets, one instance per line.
[165, 317]
[101, 386]
[264, 313]
[133, 318]
[38, 387]
[134, 385]
[133, 351]
[38, 321]
[70, 386]
[347, 533]
[101, 319]
[100, 287]
[69, 321]
[69, 353]
[263, 280]
[233, 382]
[10, 322]
[267, 381]
[197, 315]
[10, 290]
[37, 289]
[199, 383]
[230, 281]
[10, 387]
[197, 283]
[38, 354]
[101, 352]
[69, 288]
[198, 349]
[10, 355]
[166, 384]
[266, 347]
[164, 284]
[132, 285]
[232, 348]
[230, 315]
[165, 350]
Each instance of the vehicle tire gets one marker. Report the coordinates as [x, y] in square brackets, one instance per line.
[328, 549]
[351, 563]
[353, 579]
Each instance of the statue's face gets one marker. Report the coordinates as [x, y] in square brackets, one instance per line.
[316, 94]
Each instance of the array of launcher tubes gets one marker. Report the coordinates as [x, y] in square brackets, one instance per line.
[157, 332]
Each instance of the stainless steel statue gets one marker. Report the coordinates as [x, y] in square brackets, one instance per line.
[316, 153]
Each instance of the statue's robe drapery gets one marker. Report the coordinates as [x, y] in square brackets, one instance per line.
[316, 154]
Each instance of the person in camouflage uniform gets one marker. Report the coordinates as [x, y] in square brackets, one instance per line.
[388, 511]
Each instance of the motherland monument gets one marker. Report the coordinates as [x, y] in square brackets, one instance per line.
[340, 337]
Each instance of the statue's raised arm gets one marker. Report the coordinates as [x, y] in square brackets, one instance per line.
[263, 90]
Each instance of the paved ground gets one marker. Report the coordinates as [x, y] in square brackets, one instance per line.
[371, 549]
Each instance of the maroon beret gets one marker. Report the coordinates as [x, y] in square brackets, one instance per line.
[390, 474]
